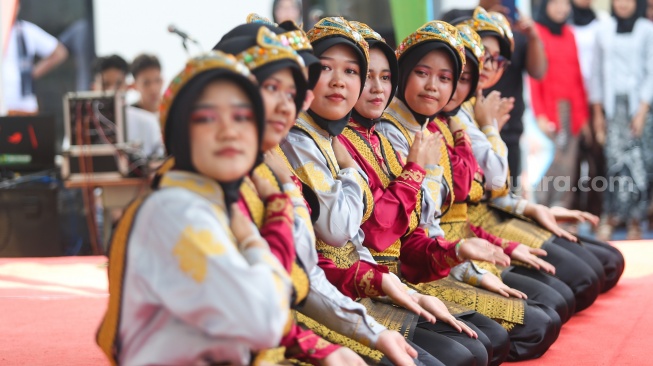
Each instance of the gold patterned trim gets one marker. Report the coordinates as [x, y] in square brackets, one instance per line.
[335, 337]
[495, 306]
[255, 205]
[320, 141]
[343, 257]
[107, 335]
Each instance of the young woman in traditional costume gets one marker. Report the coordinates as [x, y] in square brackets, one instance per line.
[430, 62]
[275, 65]
[191, 279]
[399, 200]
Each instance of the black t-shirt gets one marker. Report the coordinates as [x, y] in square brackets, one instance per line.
[511, 83]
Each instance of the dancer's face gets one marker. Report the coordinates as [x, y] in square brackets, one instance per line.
[378, 86]
[223, 132]
[339, 85]
[430, 83]
[278, 92]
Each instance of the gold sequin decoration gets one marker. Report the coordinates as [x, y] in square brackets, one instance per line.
[342, 257]
[495, 306]
[507, 226]
[335, 337]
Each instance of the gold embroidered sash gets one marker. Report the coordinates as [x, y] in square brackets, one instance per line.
[107, 335]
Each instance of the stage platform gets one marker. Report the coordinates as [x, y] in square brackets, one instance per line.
[51, 308]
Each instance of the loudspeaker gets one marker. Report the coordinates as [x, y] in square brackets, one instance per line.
[29, 222]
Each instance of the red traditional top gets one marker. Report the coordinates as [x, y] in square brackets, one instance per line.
[393, 206]
[461, 156]
[277, 231]
[362, 279]
[462, 153]
[562, 81]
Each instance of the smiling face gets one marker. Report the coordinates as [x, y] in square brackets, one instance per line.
[378, 86]
[278, 92]
[492, 71]
[462, 89]
[430, 83]
[223, 132]
[339, 85]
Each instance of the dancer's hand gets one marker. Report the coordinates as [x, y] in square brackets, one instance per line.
[486, 109]
[394, 346]
[418, 150]
[343, 356]
[564, 214]
[396, 291]
[436, 307]
[434, 153]
[263, 187]
[492, 283]
[528, 255]
[278, 166]
[243, 230]
[482, 250]
[545, 217]
[343, 157]
[507, 105]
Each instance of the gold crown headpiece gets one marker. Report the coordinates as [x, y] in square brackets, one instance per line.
[472, 42]
[503, 22]
[481, 21]
[268, 48]
[435, 30]
[295, 39]
[196, 65]
[338, 26]
[366, 31]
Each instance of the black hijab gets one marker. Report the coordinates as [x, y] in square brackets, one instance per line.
[626, 25]
[394, 80]
[177, 132]
[544, 19]
[582, 16]
[411, 58]
[243, 37]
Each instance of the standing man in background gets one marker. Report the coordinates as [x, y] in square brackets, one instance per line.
[26, 40]
[528, 56]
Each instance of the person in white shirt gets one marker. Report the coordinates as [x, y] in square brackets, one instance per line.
[110, 74]
[26, 40]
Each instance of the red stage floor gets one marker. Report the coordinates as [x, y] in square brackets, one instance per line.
[50, 309]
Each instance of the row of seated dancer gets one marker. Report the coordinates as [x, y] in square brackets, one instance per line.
[332, 201]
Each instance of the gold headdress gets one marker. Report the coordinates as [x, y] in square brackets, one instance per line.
[435, 30]
[472, 42]
[295, 39]
[501, 20]
[268, 48]
[338, 26]
[366, 31]
[195, 66]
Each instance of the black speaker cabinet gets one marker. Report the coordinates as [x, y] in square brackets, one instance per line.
[29, 222]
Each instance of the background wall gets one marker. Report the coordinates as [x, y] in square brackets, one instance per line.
[128, 27]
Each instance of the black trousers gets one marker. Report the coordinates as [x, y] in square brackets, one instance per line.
[540, 329]
[611, 259]
[581, 278]
[493, 336]
[448, 346]
[583, 253]
[539, 291]
[491, 347]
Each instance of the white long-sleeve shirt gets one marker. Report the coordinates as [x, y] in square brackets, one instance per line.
[189, 294]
